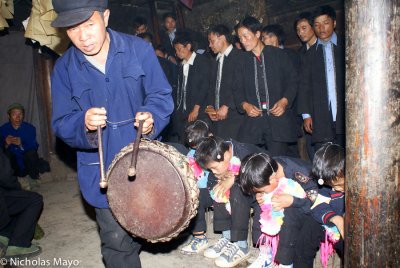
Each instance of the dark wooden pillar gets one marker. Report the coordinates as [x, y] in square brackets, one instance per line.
[154, 21]
[373, 133]
[43, 69]
[179, 15]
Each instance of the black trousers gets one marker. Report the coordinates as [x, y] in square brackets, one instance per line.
[338, 139]
[238, 221]
[199, 223]
[23, 211]
[308, 243]
[228, 128]
[33, 165]
[299, 239]
[257, 130]
[119, 248]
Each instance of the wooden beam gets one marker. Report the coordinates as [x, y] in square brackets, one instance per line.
[154, 21]
[179, 15]
[373, 134]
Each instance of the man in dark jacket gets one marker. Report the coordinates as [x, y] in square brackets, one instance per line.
[322, 88]
[221, 107]
[270, 89]
[19, 214]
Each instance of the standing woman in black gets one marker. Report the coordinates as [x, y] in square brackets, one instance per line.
[192, 88]
[270, 89]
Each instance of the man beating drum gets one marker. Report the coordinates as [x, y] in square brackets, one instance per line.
[111, 80]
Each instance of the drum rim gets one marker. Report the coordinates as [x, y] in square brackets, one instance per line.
[191, 204]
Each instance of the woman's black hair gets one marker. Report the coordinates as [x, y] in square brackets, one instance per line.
[329, 163]
[196, 132]
[250, 23]
[276, 30]
[255, 171]
[184, 38]
[324, 10]
[139, 21]
[303, 16]
[222, 30]
[168, 15]
[211, 149]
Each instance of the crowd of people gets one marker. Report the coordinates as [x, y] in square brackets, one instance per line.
[239, 104]
[249, 99]
[19, 209]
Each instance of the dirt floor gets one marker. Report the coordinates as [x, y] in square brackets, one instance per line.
[71, 236]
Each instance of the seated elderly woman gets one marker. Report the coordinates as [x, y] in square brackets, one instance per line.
[19, 141]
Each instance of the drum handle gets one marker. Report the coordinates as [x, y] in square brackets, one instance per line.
[132, 168]
[103, 181]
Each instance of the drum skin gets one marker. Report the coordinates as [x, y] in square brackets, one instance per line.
[158, 203]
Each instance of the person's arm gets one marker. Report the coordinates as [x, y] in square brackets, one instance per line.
[305, 96]
[286, 200]
[28, 138]
[68, 119]
[290, 80]
[339, 222]
[158, 98]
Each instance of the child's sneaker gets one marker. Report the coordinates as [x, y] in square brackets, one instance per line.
[218, 248]
[264, 259]
[195, 245]
[232, 256]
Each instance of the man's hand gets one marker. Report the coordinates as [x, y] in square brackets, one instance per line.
[9, 140]
[212, 113]
[251, 110]
[279, 107]
[307, 124]
[222, 112]
[280, 201]
[194, 113]
[95, 117]
[148, 123]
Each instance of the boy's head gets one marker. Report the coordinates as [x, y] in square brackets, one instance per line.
[169, 21]
[324, 22]
[258, 174]
[219, 37]
[329, 166]
[140, 25]
[196, 132]
[249, 32]
[303, 26]
[214, 154]
[184, 45]
[273, 35]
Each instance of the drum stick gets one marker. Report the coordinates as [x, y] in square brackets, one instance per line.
[132, 168]
[103, 181]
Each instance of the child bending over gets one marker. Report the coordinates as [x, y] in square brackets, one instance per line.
[195, 133]
[328, 209]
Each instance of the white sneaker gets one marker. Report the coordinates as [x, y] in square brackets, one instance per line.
[263, 260]
[195, 245]
[217, 249]
[232, 256]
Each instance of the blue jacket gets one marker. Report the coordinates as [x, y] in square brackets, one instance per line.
[324, 212]
[133, 82]
[27, 133]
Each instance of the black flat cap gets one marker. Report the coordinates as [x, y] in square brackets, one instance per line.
[72, 12]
